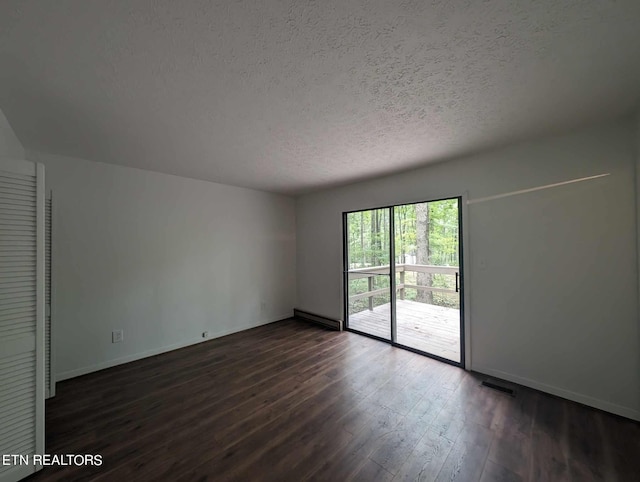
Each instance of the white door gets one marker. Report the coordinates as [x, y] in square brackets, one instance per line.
[49, 378]
[22, 311]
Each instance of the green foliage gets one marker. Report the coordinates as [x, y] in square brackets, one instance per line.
[368, 238]
[368, 246]
[443, 233]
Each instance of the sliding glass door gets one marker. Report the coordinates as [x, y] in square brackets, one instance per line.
[368, 272]
[403, 276]
[427, 264]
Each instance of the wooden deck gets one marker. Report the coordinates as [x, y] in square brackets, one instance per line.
[429, 328]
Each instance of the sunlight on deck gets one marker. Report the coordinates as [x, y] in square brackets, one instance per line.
[429, 328]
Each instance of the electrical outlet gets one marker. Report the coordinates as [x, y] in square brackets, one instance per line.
[117, 336]
[205, 334]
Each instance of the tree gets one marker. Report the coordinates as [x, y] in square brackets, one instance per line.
[425, 233]
[423, 252]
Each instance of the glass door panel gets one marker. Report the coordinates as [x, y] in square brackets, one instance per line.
[368, 272]
[427, 273]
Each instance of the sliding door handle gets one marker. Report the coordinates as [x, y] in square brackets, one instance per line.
[457, 282]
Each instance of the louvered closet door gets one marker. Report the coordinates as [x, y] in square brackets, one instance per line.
[49, 379]
[21, 315]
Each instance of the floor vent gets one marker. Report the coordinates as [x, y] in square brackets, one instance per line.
[498, 386]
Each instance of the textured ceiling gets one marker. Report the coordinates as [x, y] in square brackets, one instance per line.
[294, 95]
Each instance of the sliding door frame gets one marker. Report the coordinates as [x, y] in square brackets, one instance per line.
[392, 281]
[345, 276]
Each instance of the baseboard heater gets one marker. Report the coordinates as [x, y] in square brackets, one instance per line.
[320, 320]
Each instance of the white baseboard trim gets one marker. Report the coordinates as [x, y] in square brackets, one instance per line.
[157, 351]
[561, 392]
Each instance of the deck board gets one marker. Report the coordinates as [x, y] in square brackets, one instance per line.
[429, 328]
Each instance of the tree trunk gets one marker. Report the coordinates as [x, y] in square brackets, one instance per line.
[423, 253]
[372, 241]
[363, 260]
[402, 216]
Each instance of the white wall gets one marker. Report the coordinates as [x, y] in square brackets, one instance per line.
[10, 146]
[637, 172]
[163, 258]
[555, 306]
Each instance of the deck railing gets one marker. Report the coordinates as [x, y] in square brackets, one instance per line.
[371, 273]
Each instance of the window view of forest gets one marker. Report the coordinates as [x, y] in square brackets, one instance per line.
[426, 234]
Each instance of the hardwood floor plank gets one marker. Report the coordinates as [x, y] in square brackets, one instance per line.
[348, 461]
[224, 359]
[468, 455]
[497, 473]
[370, 471]
[584, 444]
[406, 400]
[511, 449]
[166, 398]
[270, 336]
[622, 441]
[244, 417]
[549, 462]
[292, 401]
[397, 445]
[518, 411]
[427, 458]
[321, 395]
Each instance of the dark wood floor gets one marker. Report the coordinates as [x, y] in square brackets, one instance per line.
[290, 401]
